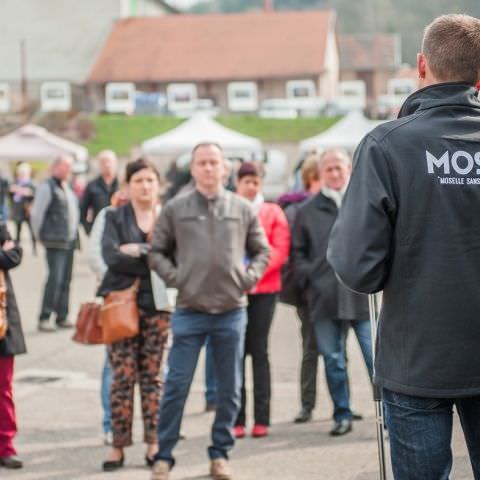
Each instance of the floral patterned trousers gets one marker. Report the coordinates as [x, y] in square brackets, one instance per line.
[138, 358]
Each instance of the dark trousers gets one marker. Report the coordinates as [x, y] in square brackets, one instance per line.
[57, 289]
[261, 308]
[420, 431]
[8, 424]
[32, 235]
[308, 369]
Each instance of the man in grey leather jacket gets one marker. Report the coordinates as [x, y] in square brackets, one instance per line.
[409, 226]
[209, 245]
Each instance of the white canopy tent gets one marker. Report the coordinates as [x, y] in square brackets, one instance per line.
[346, 133]
[200, 128]
[32, 142]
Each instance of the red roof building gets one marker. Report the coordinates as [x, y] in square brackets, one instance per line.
[210, 51]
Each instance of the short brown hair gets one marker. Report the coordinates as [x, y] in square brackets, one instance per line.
[310, 169]
[206, 144]
[451, 45]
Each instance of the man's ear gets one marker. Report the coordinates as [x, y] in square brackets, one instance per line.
[421, 66]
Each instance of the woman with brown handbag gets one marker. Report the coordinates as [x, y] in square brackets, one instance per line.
[13, 343]
[124, 249]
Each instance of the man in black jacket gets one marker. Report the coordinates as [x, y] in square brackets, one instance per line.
[99, 191]
[328, 303]
[408, 226]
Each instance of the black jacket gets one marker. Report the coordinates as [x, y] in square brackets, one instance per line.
[409, 225]
[326, 297]
[14, 342]
[120, 228]
[97, 196]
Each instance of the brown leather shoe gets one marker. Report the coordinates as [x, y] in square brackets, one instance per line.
[220, 469]
[160, 470]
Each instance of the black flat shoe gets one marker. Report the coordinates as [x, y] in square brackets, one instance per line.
[304, 416]
[112, 465]
[12, 462]
[149, 461]
[341, 428]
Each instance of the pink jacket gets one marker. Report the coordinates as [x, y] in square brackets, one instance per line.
[276, 229]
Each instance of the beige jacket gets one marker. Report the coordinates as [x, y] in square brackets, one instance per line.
[212, 251]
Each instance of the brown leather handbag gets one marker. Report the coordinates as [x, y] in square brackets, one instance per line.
[3, 306]
[88, 329]
[119, 314]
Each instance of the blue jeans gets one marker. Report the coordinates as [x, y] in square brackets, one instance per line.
[210, 380]
[57, 289]
[364, 337]
[227, 336]
[330, 342]
[105, 390]
[420, 432]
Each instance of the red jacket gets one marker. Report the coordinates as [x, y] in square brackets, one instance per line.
[276, 229]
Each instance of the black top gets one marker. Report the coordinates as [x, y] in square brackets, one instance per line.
[121, 227]
[409, 225]
[96, 197]
[14, 341]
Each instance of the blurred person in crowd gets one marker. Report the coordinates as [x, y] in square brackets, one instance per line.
[124, 249]
[199, 247]
[408, 226]
[292, 295]
[99, 267]
[22, 192]
[262, 299]
[12, 344]
[4, 191]
[99, 191]
[55, 219]
[329, 303]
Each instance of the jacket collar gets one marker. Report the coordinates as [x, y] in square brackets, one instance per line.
[441, 95]
[322, 202]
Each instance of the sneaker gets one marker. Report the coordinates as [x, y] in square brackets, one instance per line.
[259, 431]
[108, 438]
[65, 324]
[238, 431]
[46, 326]
[160, 470]
[219, 470]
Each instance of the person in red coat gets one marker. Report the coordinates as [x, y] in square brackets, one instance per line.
[261, 299]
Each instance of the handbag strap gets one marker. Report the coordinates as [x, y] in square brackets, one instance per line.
[3, 283]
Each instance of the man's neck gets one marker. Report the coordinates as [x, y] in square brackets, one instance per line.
[108, 180]
[209, 192]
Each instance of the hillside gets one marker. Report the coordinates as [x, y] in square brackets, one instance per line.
[408, 17]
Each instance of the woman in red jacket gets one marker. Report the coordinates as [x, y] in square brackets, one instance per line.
[261, 299]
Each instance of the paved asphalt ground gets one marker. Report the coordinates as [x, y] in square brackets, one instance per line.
[58, 407]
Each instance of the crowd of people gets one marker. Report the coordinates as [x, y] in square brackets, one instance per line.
[229, 256]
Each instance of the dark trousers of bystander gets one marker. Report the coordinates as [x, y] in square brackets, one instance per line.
[8, 425]
[57, 289]
[260, 311]
[309, 365]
